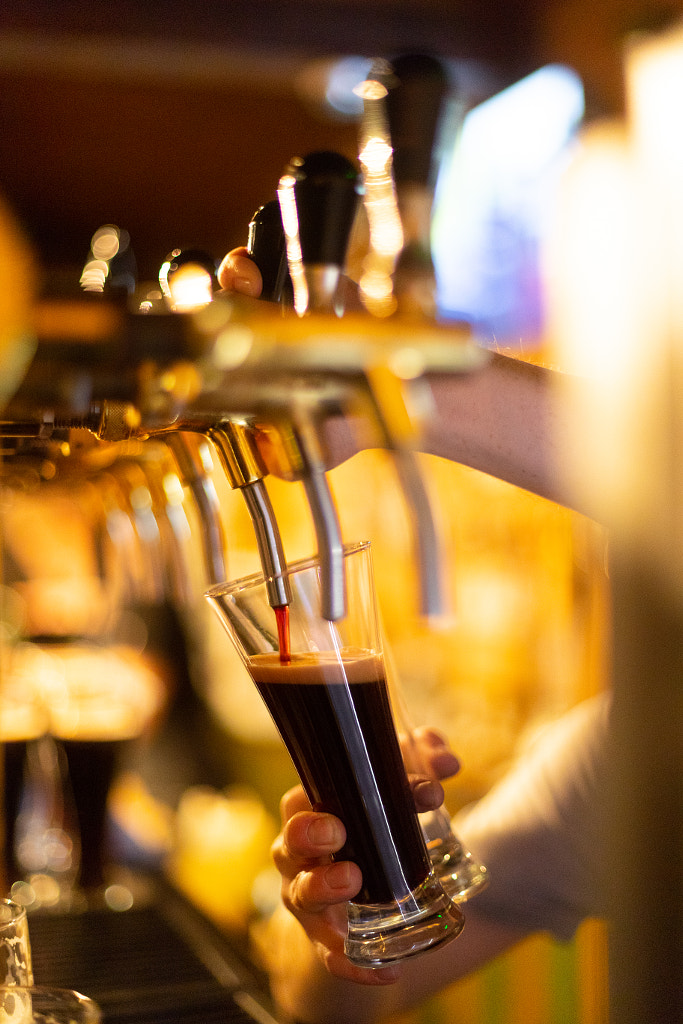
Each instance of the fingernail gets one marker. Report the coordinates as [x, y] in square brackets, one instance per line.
[429, 793]
[337, 875]
[445, 763]
[322, 832]
[446, 759]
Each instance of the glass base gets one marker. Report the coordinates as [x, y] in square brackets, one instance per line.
[39, 1004]
[459, 873]
[382, 933]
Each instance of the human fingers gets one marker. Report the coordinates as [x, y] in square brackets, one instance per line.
[238, 273]
[435, 753]
[428, 793]
[307, 837]
[302, 854]
[319, 889]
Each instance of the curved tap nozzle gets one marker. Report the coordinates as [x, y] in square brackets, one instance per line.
[240, 459]
[388, 392]
[195, 476]
[324, 514]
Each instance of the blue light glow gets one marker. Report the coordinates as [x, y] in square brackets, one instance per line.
[495, 192]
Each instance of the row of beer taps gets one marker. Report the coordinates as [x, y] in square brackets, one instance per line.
[259, 379]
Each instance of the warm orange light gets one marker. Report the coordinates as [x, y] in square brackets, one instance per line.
[190, 287]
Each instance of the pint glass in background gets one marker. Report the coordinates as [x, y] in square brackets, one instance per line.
[16, 966]
[329, 699]
[22, 1002]
[461, 874]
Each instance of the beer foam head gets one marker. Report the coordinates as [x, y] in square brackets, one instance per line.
[350, 665]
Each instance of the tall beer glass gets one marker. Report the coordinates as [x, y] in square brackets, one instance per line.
[324, 684]
[16, 967]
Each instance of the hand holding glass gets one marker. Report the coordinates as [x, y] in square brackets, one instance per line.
[324, 684]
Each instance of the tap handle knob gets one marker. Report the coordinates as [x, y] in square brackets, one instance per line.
[326, 187]
[266, 247]
[414, 104]
[110, 268]
[188, 278]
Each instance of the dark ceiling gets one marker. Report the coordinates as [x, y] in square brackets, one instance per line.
[174, 119]
[496, 30]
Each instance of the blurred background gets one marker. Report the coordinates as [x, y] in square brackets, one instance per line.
[174, 121]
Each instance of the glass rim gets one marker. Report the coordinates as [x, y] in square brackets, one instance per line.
[259, 578]
[17, 911]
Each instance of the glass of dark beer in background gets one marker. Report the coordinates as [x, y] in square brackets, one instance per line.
[324, 684]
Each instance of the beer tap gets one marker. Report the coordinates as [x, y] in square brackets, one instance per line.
[404, 103]
[258, 380]
[194, 467]
[299, 244]
[266, 247]
[318, 198]
[187, 279]
[415, 105]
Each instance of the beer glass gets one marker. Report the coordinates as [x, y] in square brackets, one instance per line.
[22, 1002]
[42, 1005]
[16, 966]
[460, 873]
[324, 684]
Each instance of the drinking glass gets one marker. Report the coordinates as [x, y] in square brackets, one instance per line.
[22, 1002]
[40, 1004]
[324, 684]
[23, 721]
[100, 699]
[460, 873]
[16, 967]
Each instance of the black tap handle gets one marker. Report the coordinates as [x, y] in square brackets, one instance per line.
[414, 104]
[266, 247]
[326, 190]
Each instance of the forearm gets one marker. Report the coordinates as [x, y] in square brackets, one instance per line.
[504, 419]
[304, 990]
[501, 420]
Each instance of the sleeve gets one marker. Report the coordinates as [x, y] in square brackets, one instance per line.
[540, 830]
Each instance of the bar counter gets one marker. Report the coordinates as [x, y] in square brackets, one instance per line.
[161, 961]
